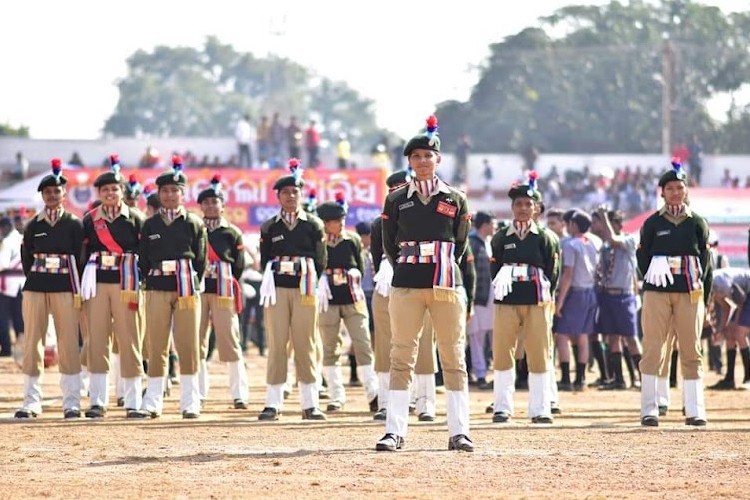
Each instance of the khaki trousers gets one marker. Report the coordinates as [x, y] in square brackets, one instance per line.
[531, 321]
[226, 326]
[426, 359]
[161, 309]
[106, 312]
[661, 312]
[289, 319]
[407, 309]
[356, 321]
[83, 325]
[36, 308]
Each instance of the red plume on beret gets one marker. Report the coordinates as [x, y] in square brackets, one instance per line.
[216, 179]
[339, 196]
[533, 175]
[56, 162]
[293, 163]
[313, 193]
[432, 123]
[114, 158]
[176, 160]
[132, 179]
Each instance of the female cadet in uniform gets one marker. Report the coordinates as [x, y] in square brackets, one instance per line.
[525, 267]
[674, 259]
[344, 269]
[50, 252]
[293, 254]
[173, 260]
[110, 286]
[425, 230]
[221, 300]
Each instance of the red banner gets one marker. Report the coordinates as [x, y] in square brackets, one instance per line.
[249, 195]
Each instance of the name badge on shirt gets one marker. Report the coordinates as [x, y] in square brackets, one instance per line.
[154, 236]
[52, 262]
[169, 266]
[426, 249]
[286, 267]
[277, 238]
[446, 209]
[663, 233]
[406, 205]
[108, 260]
[509, 246]
[39, 235]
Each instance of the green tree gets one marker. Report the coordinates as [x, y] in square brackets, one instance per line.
[186, 91]
[8, 130]
[598, 87]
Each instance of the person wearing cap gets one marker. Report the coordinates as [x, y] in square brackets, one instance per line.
[50, 252]
[173, 261]
[221, 300]
[674, 259]
[525, 269]
[731, 297]
[110, 287]
[479, 328]
[344, 269]
[293, 255]
[426, 364]
[616, 288]
[425, 235]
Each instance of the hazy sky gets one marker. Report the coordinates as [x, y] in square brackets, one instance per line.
[60, 59]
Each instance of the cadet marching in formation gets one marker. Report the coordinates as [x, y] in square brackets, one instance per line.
[147, 280]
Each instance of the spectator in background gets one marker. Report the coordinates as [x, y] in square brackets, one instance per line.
[243, 133]
[263, 140]
[294, 138]
[22, 166]
[312, 145]
[726, 180]
[462, 159]
[150, 159]
[75, 159]
[277, 141]
[343, 151]
[696, 159]
[487, 175]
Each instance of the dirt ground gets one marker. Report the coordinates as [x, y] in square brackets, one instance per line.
[596, 449]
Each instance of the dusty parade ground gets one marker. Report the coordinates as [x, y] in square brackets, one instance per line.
[596, 449]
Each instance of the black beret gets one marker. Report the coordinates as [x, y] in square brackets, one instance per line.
[429, 139]
[331, 210]
[528, 190]
[133, 188]
[676, 173]
[111, 177]
[175, 177]
[293, 179]
[213, 191]
[398, 178]
[481, 218]
[55, 178]
[363, 228]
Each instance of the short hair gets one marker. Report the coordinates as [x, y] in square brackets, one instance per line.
[555, 212]
[363, 228]
[568, 215]
[482, 218]
[582, 220]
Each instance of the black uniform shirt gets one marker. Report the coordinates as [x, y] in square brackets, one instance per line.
[64, 237]
[305, 239]
[347, 254]
[226, 241]
[376, 242]
[406, 217]
[125, 230]
[184, 238]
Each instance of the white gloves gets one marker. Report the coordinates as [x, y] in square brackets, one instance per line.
[268, 287]
[383, 278]
[659, 272]
[503, 282]
[324, 293]
[88, 281]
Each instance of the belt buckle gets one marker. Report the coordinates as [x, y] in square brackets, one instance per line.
[169, 266]
[339, 278]
[427, 249]
[286, 267]
[519, 271]
[52, 262]
[108, 260]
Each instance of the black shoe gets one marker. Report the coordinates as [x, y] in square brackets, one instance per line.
[381, 415]
[460, 442]
[287, 393]
[120, 402]
[153, 414]
[541, 419]
[390, 442]
[723, 385]
[335, 405]
[240, 405]
[650, 421]
[600, 383]
[190, 415]
[313, 414]
[500, 417]
[490, 408]
[374, 404]
[426, 417]
[25, 413]
[72, 413]
[695, 421]
[579, 386]
[96, 412]
[614, 386]
[663, 410]
[322, 395]
[555, 408]
[412, 408]
[269, 414]
[483, 385]
[565, 387]
[137, 414]
[355, 382]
